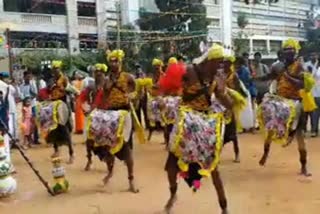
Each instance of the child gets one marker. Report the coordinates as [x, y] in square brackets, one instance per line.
[27, 122]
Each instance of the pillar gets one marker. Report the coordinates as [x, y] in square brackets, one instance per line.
[102, 24]
[1, 6]
[226, 23]
[72, 27]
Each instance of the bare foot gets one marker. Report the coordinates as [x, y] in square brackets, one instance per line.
[132, 187]
[225, 211]
[263, 160]
[237, 160]
[106, 179]
[305, 172]
[170, 203]
[56, 154]
[71, 159]
[88, 166]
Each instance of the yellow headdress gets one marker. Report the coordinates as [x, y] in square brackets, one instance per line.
[215, 52]
[118, 54]
[172, 60]
[230, 58]
[56, 64]
[157, 62]
[101, 67]
[292, 43]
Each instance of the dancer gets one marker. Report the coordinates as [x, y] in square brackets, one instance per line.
[197, 136]
[87, 97]
[232, 82]
[280, 115]
[110, 123]
[154, 100]
[54, 115]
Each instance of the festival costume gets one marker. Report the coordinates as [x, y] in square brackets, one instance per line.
[280, 114]
[53, 114]
[110, 123]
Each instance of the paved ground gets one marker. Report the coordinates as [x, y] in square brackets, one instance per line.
[251, 189]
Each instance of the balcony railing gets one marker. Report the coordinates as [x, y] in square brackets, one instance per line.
[39, 19]
[87, 21]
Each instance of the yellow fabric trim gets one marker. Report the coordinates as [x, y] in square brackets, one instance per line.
[139, 130]
[55, 116]
[185, 166]
[273, 136]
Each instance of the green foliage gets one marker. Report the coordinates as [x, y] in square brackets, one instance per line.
[240, 43]
[177, 19]
[70, 63]
[242, 20]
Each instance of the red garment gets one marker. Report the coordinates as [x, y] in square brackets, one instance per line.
[98, 101]
[44, 94]
[171, 82]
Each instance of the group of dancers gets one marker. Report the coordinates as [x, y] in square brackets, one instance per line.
[197, 106]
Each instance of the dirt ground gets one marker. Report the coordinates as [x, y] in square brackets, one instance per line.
[251, 189]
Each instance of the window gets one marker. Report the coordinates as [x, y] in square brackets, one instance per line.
[35, 6]
[86, 9]
[38, 40]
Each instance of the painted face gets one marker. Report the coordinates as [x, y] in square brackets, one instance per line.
[114, 64]
[289, 55]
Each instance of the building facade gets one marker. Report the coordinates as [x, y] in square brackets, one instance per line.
[77, 25]
[270, 24]
[62, 25]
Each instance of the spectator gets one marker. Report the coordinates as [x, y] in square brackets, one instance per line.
[246, 78]
[312, 64]
[258, 70]
[29, 89]
[315, 115]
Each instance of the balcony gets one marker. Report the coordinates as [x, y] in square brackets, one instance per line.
[34, 22]
[214, 34]
[213, 11]
[87, 25]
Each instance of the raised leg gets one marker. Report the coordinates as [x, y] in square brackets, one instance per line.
[130, 166]
[218, 184]
[302, 152]
[89, 145]
[110, 159]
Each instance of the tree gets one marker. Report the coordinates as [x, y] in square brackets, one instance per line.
[178, 28]
[129, 43]
[240, 43]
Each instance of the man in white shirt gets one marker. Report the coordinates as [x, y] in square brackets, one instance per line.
[315, 115]
[312, 65]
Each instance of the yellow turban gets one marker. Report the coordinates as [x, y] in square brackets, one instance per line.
[118, 54]
[101, 67]
[215, 52]
[230, 58]
[157, 62]
[172, 60]
[292, 43]
[56, 64]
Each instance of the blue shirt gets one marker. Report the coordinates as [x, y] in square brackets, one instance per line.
[4, 108]
[245, 77]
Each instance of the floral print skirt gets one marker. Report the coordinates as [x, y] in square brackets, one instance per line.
[278, 116]
[109, 128]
